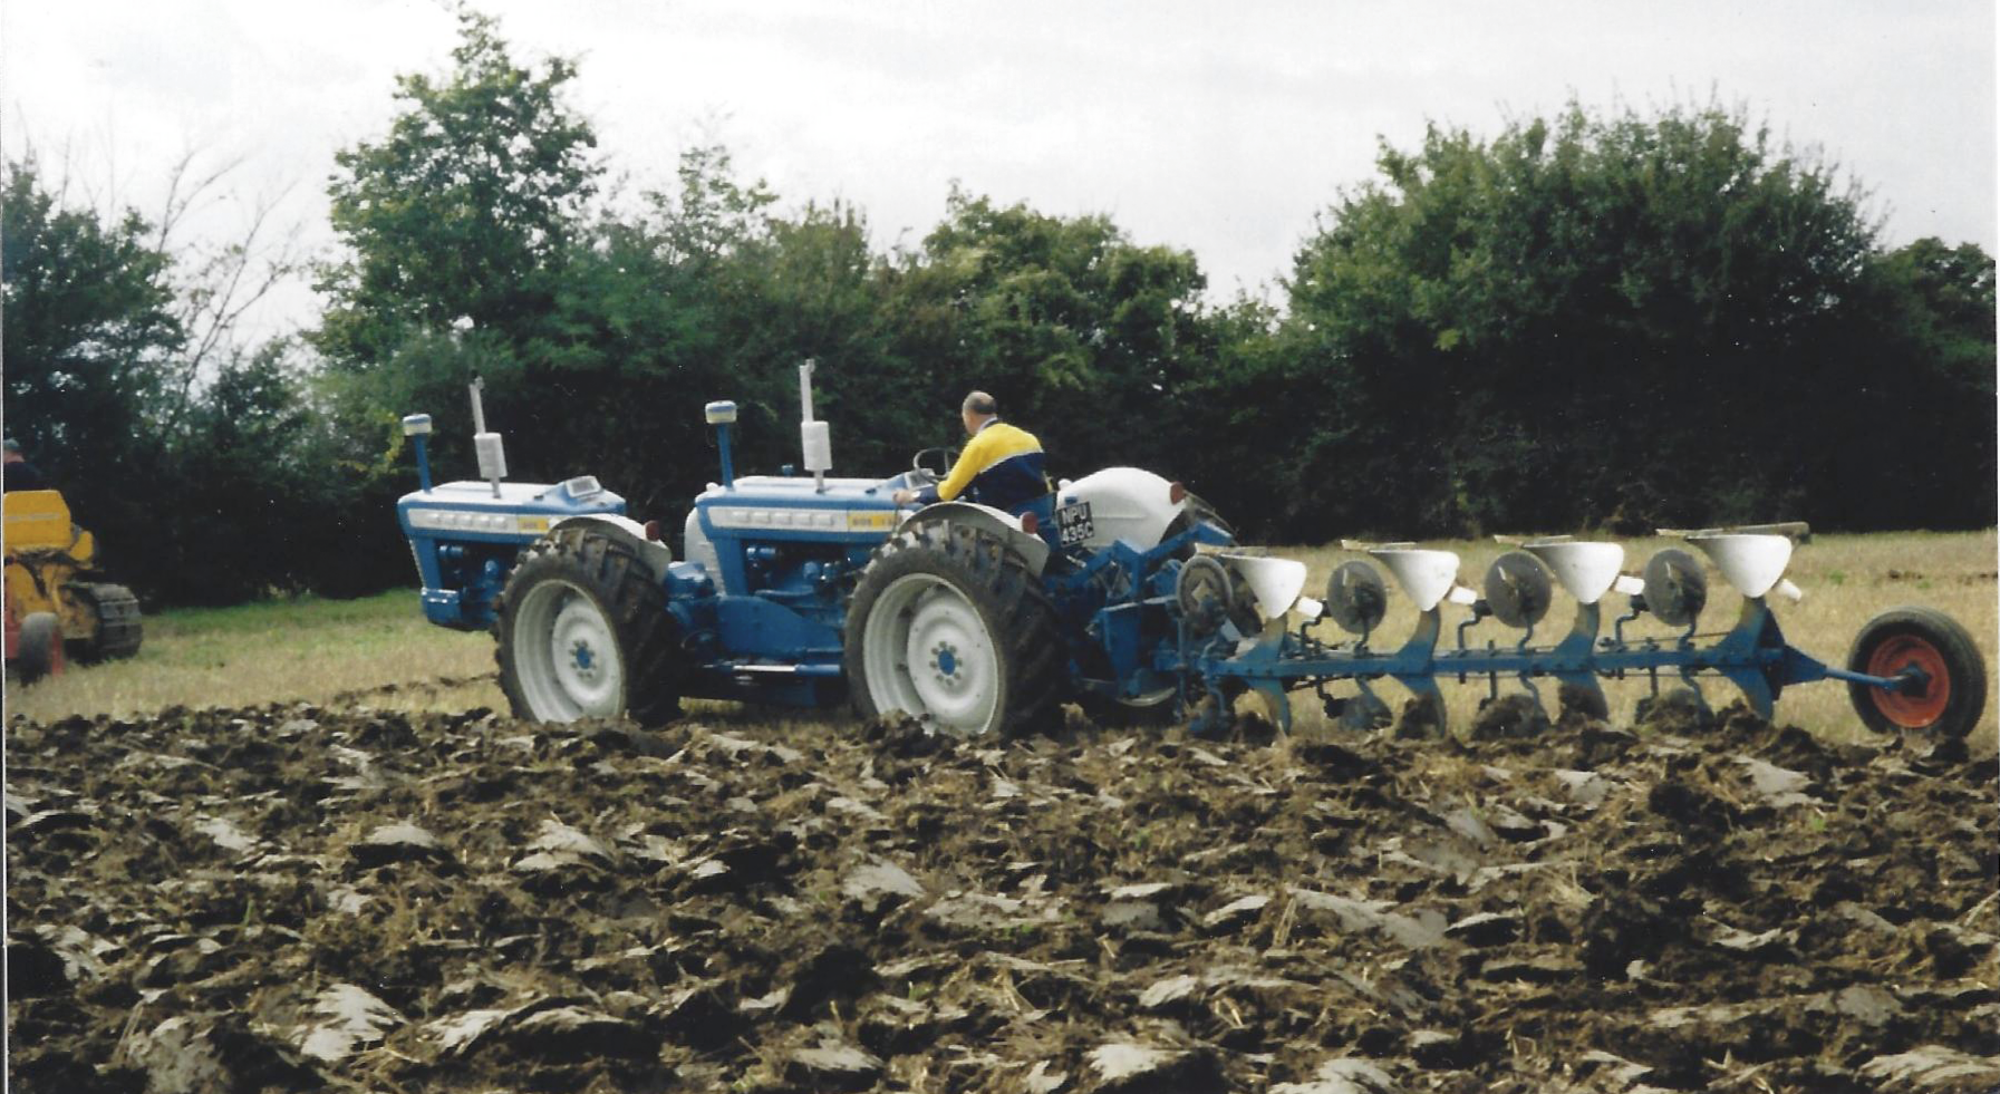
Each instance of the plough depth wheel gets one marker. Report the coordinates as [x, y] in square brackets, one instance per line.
[1954, 692]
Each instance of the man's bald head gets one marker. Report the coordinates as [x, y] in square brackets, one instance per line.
[976, 409]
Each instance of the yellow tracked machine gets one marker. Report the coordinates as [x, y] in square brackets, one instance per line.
[57, 609]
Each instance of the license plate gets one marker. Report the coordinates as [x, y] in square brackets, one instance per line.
[1073, 524]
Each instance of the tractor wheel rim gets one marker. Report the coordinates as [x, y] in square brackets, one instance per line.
[1908, 711]
[929, 654]
[567, 655]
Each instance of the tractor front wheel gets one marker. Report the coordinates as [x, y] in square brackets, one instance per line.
[584, 632]
[40, 652]
[949, 626]
[1907, 640]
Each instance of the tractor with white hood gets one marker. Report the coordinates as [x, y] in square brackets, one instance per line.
[1121, 592]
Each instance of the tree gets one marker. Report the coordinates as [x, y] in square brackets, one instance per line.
[215, 283]
[460, 227]
[1588, 321]
[88, 319]
[199, 465]
[465, 211]
[709, 293]
[1946, 304]
[1908, 375]
[257, 506]
[89, 328]
[1080, 333]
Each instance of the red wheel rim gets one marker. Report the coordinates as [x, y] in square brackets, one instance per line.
[1903, 708]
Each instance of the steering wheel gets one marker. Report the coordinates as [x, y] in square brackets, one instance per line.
[921, 475]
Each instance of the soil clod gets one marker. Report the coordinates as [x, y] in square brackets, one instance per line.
[295, 898]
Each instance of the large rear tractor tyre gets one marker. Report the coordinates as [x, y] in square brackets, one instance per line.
[949, 626]
[1954, 697]
[40, 652]
[113, 628]
[584, 632]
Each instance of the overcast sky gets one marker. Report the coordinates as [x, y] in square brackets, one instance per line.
[1218, 127]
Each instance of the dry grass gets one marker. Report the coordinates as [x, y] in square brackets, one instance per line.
[382, 652]
[279, 651]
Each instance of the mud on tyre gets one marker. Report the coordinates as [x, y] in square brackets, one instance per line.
[950, 626]
[583, 631]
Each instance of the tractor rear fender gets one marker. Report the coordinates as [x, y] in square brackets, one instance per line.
[625, 530]
[1033, 549]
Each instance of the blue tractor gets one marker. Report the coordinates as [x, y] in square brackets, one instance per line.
[1121, 592]
[807, 590]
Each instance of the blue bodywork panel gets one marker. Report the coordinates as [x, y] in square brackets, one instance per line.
[466, 539]
[786, 553]
[768, 530]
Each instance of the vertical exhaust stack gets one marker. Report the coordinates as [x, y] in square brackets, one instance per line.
[417, 427]
[492, 454]
[722, 414]
[814, 437]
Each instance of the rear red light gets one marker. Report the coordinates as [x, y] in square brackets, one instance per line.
[1030, 523]
[653, 531]
[1176, 493]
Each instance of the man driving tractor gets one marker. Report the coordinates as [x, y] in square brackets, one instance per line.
[1002, 465]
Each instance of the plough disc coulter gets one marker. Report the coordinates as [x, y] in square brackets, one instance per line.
[1909, 669]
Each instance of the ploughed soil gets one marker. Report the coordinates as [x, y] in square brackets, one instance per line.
[296, 898]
